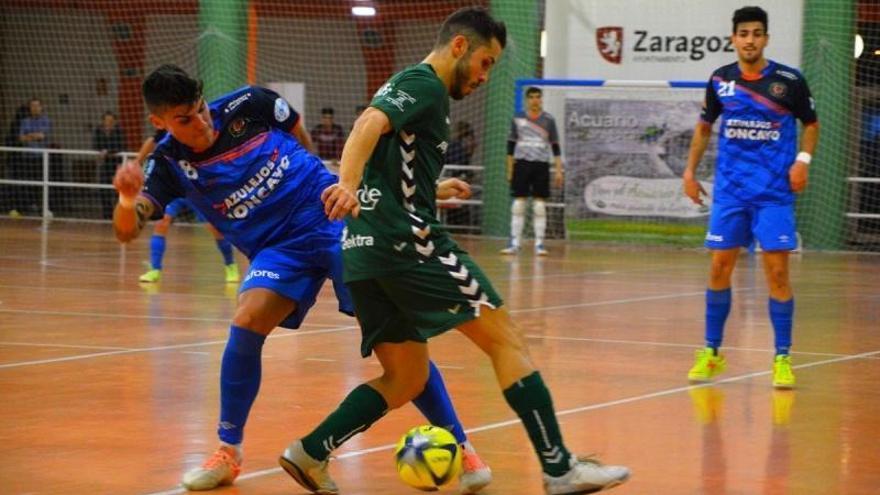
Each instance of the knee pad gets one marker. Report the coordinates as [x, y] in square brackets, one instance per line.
[519, 206]
[539, 209]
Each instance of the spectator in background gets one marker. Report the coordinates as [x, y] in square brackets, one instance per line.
[109, 140]
[461, 147]
[35, 132]
[36, 127]
[328, 137]
[358, 110]
[11, 139]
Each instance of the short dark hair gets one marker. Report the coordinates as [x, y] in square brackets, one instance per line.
[532, 90]
[476, 24]
[170, 86]
[750, 14]
[327, 111]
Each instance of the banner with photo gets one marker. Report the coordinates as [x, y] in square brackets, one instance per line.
[625, 158]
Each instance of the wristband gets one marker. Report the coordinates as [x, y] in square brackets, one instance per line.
[804, 157]
[127, 202]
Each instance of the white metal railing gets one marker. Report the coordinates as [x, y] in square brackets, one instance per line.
[46, 183]
[863, 180]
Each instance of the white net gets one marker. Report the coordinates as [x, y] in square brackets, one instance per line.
[88, 57]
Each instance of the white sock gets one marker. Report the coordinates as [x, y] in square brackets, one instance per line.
[517, 220]
[539, 209]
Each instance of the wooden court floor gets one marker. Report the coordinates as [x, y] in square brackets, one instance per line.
[111, 387]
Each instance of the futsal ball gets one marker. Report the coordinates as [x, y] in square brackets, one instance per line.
[427, 457]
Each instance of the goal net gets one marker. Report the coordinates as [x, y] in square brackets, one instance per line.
[85, 58]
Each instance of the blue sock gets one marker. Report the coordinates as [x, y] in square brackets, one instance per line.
[157, 251]
[239, 381]
[226, 250]
[717, 309]
[435, 405]
[780, 316]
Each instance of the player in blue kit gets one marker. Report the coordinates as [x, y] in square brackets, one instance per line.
[240, 162]
[160, 231]
[757, 174]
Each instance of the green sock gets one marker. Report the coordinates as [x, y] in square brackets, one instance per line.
[531, 401]
[363, 407]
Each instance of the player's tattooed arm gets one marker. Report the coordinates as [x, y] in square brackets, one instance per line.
[128, 222]
[133, 209]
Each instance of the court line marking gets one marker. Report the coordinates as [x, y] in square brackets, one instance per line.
[279, 335]
[100, 354]
[565, 412]
[673, 344]
[67, 346]
[136, 317]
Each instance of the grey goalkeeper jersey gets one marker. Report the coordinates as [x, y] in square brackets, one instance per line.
[533, 138]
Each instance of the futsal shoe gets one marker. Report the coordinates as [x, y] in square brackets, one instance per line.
[151, 276]
[586, 475]
[706, 365]
[310, 473]
[232, 273]
[540, 250]
[510, 249]
[220, 469]
[475, 474]
[783, 377]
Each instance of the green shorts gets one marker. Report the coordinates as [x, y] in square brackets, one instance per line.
[422, 302]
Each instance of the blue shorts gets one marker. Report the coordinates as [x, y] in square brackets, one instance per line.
[732, 226]
[179, 205]
[298, 271]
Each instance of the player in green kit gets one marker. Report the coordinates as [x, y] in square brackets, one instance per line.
[409, 280]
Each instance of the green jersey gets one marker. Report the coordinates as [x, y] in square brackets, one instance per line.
[397, 227]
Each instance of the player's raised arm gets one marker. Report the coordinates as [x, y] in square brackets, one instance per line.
[133, 210]
[341, 199]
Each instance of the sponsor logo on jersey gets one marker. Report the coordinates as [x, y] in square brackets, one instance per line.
[356, 241]
[778, 89]
[282, 110]
[752, 130]
[262, 274]
[148, 168]
[237, 127]
[236, 102]
[400, 99]
[383, 90]
[789, 75]
[239, 204]
[714, 237]
[368, 197]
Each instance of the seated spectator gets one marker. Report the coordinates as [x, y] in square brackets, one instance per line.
[462, 145]
[35, 132]
[328, 137]
[109, 140]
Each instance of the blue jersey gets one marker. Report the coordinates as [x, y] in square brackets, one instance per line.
[256, 184]
[758, 137]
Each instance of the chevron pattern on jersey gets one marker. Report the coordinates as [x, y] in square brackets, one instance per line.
[420, 228]
[467, 284]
